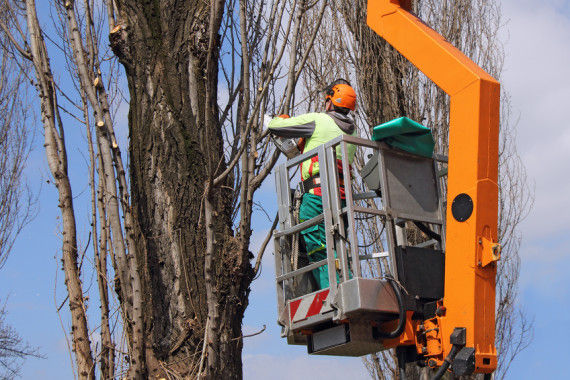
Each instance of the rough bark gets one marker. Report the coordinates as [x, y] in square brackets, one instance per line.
[170, 53]
[180, 250]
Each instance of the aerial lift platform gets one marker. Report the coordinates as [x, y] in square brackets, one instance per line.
[434, 302]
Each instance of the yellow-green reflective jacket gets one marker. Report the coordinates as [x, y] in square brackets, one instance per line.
[317, 129]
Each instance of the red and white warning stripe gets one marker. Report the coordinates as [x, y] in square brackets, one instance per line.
[310, 305]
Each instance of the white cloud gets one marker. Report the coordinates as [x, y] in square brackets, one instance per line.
[537, 74]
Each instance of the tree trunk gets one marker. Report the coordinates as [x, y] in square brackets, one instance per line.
[170, 53]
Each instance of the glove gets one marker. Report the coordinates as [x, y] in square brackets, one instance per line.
[266, 120]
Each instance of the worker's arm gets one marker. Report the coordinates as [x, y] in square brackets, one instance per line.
[298, 126]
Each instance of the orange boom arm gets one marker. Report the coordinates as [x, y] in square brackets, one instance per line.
[471, 249]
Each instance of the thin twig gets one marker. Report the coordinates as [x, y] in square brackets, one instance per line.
[250, 335]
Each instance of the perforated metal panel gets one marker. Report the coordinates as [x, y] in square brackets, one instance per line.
[411, 188]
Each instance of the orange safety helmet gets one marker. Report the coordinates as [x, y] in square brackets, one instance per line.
[341, 94]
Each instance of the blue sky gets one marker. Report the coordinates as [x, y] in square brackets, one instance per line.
[537, 75]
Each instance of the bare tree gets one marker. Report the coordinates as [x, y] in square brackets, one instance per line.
[13, 349]
[16, 201]
[35, 51]
[179, 250]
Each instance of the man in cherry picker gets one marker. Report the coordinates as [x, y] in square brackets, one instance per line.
[317, 129]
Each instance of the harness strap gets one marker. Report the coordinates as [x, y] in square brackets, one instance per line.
[315, 182]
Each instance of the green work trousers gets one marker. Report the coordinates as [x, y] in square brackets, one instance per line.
[315, 238]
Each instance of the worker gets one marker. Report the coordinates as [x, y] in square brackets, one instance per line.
[317, 129]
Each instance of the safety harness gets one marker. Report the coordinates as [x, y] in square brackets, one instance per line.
[314, 182]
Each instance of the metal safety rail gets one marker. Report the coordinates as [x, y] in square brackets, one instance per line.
[332, 216]
[408, 190]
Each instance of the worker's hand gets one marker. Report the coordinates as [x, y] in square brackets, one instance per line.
[284, 116]
[301, 144]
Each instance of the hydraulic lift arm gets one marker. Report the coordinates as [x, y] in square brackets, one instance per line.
[472, 192]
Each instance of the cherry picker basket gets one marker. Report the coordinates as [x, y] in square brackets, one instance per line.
[395, 188]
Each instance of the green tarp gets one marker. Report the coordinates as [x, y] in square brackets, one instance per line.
[405, 134]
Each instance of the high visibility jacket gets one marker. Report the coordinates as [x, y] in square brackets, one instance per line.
[317, 129]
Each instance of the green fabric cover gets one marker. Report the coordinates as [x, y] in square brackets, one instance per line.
[405, 134]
